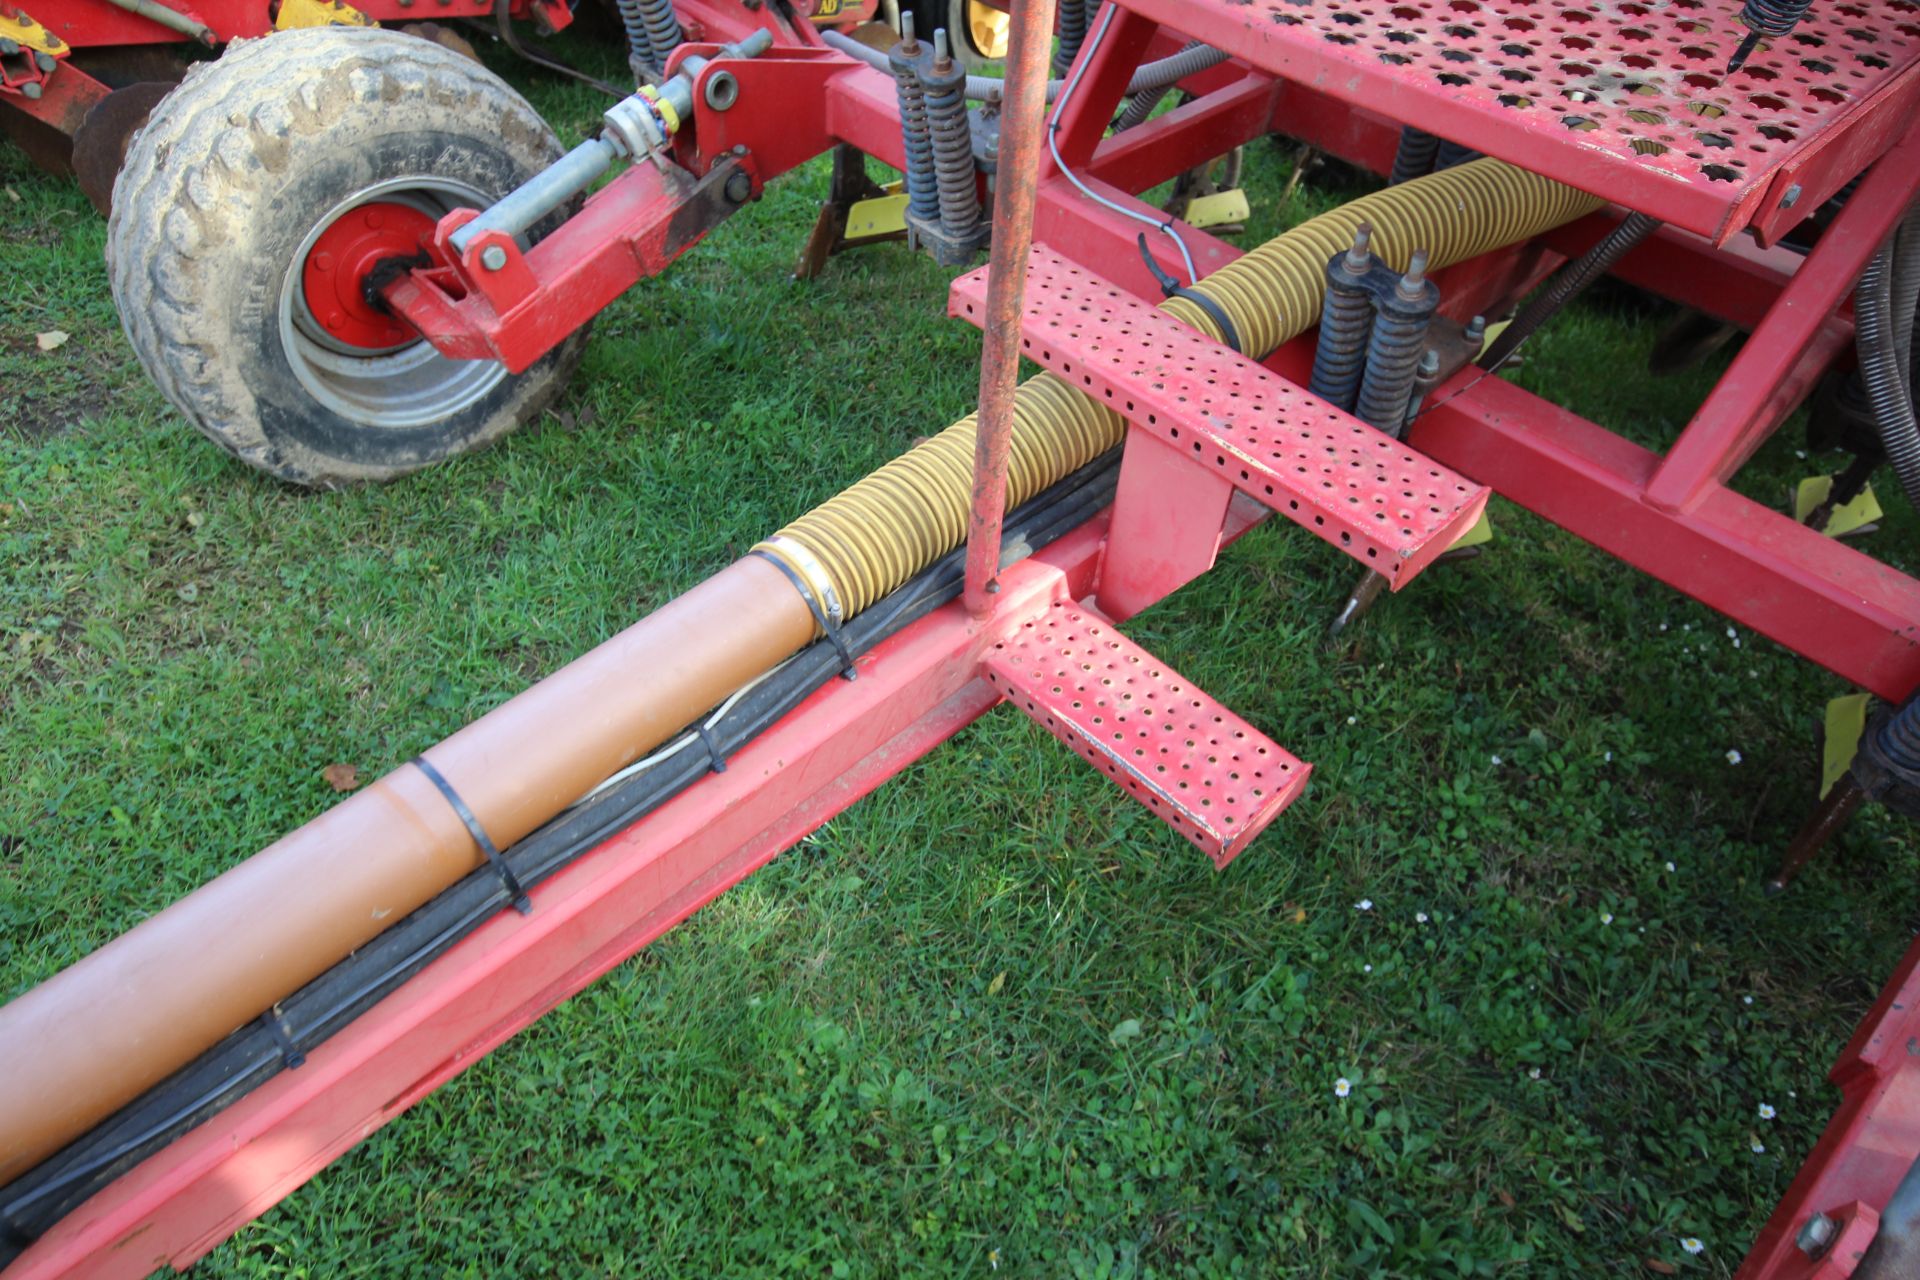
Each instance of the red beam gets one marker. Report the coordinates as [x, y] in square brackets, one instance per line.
[1824, 600]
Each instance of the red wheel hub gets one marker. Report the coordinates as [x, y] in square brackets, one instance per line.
[346, 254]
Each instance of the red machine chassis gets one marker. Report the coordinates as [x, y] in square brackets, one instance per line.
[1672, 515]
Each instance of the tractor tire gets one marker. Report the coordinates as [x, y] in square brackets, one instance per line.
[365, 136]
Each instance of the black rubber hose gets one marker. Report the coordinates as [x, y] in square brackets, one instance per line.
[1905, 292]
[1571, 281]
[1882, 368]
[34, 1202]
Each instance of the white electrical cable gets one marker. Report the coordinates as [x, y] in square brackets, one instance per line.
[1080, 66]
[682, 742]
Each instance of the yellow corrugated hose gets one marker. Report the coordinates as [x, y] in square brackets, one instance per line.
[872, 537]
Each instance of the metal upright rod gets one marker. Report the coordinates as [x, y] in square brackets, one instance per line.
[1022, 118]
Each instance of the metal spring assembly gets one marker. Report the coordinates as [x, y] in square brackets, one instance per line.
[945, 88]
[1394, 348]
[663, 29]
[1414, 156]
[1346, 318]
[1073, 31]
[1450, 154]
[923, 197]
[639, 43]
[1769, 19]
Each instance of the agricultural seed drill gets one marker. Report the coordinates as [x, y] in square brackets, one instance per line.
[1760, 167]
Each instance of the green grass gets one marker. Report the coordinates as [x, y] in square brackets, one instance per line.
[994, 1014]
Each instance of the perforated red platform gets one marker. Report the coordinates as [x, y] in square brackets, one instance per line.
[1628, 100]
[1388, 507]
[1203, 770]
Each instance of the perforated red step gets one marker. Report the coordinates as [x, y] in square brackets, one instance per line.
[1207, 773]
[1388, 507]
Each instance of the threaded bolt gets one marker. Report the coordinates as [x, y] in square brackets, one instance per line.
[908, 45]
[1413, 283]
[942, 52]
[493, 257]
[1477, 330]
[1429, 363]
[1361, 254]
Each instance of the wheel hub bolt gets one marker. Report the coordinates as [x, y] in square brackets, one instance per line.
[493, 257]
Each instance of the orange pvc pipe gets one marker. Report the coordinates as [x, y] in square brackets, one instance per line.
[95, 1036]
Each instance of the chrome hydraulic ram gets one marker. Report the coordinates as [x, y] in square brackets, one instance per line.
[636, 127]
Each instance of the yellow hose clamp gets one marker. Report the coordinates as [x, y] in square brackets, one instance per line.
[811, 571]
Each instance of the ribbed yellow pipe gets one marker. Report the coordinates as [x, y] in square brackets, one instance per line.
[871, 538]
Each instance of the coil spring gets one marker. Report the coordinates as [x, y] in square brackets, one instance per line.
[952, 135]
[923, 197]
[639, 44]
[1451, 154]
[1346, 318]
[663, 29]
[1394, 348]
[1073, 31]
[1413, 158]
[1774, 18]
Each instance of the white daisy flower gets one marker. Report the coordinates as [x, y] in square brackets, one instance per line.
[1671, 867]
[1353, 719]
[1495, 759]
[1419, 917]
[1692, 1244]
[1746, 999]
[1606, 917]
[1609, 757]
[1342, 1087]
[1767, 1112]
[1733, 755]
[1365, 904]
[1759, 1147]
[1366, 968]
[1732, 634]
[1534, 1074]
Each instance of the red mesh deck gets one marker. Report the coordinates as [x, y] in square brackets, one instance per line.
[1390, 508]
[1203, 770]
[1628, 100]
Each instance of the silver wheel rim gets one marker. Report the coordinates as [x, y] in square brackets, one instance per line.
[411, 385]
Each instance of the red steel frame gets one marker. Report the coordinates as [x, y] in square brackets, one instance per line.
[1670, 514]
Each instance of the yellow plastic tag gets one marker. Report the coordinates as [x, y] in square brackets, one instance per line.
[880, 216]
[1482, 531]
[319, 13]
[1863, 510]
[1846, 721]
[1218, 209]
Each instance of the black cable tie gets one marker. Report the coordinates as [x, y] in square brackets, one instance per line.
[515, 894]
[1172, 288]
[827, 624]
[291, 1056]
[718, 760]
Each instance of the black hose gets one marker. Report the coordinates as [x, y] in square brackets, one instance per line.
[1569, 283]
[257, 1052]
[1883, 364]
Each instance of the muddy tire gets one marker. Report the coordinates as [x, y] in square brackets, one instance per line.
[217, 225]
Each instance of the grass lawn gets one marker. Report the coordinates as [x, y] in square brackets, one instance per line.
[996, 1015]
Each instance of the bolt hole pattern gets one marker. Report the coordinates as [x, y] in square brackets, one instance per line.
[1207, 773]
[1612, 68]
[1322, 468]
